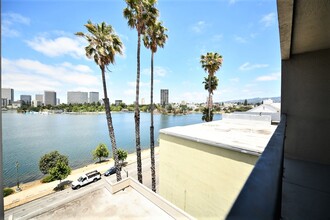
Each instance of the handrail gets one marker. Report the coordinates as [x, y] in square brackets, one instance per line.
[261, 195]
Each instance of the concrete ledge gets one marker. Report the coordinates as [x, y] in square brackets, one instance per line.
[159, 201]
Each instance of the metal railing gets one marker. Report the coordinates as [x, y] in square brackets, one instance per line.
[261, 195]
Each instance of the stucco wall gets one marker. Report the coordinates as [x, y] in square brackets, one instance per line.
[201, 179]
[306, 101]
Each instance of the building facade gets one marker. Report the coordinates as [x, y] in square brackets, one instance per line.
[50, 98]
[8, 93]
[26, 99]
[204, 166]
[40, 98]
[164, 93]
[118, 102]
[75, 97]
[94, 97]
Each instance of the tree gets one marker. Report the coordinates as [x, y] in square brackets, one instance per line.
[50, 160]
[104, 44]
[122, 155]
[214, 83]
[207, 115]
[139, 14]
[245, 102]
[211, 63]
[60, 171]
[101, 151]
[155, 37]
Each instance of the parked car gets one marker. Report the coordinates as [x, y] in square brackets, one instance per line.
[110, 171]
[85, 179]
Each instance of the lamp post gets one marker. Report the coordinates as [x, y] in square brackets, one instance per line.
[18, 189]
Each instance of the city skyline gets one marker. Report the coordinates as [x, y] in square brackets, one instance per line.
[52, 58]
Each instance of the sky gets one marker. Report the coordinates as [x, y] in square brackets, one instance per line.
[40, 51]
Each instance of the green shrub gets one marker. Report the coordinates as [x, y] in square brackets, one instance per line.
[7, 191]
[47, 179]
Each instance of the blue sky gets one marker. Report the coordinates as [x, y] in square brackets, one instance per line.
[40, 51]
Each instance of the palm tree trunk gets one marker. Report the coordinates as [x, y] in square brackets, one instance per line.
[110, 126]
[209, 101]
[152, 139]
[137, 114]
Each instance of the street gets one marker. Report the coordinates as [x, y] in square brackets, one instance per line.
[54, 200]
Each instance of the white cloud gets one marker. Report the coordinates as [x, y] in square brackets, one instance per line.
[158, 71]
[239, 39]
[217, 37]
[73, 47]
[268, 20]
[247, 66]
[269, 77]
[199, 27]
[34, 76]
[234, 79]
[11, 20]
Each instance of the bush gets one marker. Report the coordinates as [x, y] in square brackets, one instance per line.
[7, 191]
[47, 179]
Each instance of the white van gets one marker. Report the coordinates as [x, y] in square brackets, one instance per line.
[85, 179]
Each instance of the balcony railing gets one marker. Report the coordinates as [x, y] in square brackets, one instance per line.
[261, 195]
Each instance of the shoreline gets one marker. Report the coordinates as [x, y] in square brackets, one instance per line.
[35, 189]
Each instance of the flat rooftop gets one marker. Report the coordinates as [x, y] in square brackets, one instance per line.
[127, 199]
[247, 134]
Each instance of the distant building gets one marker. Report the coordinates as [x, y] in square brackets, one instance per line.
[75, 97]
[58, 101]
[26, 99]
[4, 102]
[50, 98]
[164, 97]
[40, 98]
[16, 104]
[143, 101]
[118, 102]
[36, 103]
[93, 97]
[8, 93]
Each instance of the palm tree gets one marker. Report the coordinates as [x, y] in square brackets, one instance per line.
[139, 14]
[103, 45]
[211, 63]
[155, 36]
[214, 83]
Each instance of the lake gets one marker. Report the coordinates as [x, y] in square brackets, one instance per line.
[27, 137]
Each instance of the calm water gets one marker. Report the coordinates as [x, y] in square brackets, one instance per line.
[27, 137]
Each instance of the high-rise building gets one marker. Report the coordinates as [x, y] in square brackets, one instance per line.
[118, 102]
[8, 93]
[93, 97]
[50, 98]
[164, 97]
[26, 99]
[76, 97]
[40, 98]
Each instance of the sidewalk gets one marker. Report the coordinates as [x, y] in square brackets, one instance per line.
[34, 190]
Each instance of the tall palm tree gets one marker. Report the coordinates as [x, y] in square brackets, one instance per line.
[155, 37]
[103, 45]
[214, 83]
[139, 14]
[211, 63]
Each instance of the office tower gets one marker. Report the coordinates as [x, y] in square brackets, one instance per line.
[118, 102]
[8, 93]
[93, 97]
[164, 97]
[76, 97]
[50, 98]
[26, 99]
[40, 97]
